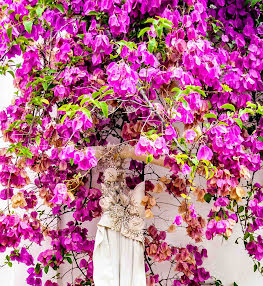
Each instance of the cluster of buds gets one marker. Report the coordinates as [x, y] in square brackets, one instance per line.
[152, 280]
[156, 247]
[221, 183]
[148, 202]
[223, 227]
[196, 223]
[18, 200]
[175, 185]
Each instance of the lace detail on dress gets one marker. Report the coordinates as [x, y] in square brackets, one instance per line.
[119, 205]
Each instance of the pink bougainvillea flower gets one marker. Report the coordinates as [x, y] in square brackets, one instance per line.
[78, 157]
[160, 146]
[185, 169]
[178, 220]
[83, 263]
[67, 152]
[170, 132]
[190, 135]
[143, 145]
[23, 257]
[60, 91]
[222, 201]
[60, 194]
[205, 153]
[50, 283]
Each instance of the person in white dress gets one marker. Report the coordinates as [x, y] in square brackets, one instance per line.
[118, 257]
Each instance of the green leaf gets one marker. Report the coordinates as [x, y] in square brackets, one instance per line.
[84, 100]
[226, 88]
[65, 107]
[4, 7]
[86, 112]
[37, 268]
[210, 115]
[9, 33]
[38, 140]
[207, 197]
[183, 196]
[194, 160]
[28, 26]
[260, 138]
[109, 91]
[45, 85]
[46, 268]
[246, 236]
[150, 20]
[193, 171]
[206, 172]
[167, 26]
[17, 16]
[152, 44]
[159, 31]
[103, 88]
[176, 89]
[164, 20]
[96, 103]
[104, 108]
[39, 11]
[81, 97]
[201, 92]
[12, 73]
[250, 104]
[63, 119]
[211, 175]
[235, 284]
[93, 13]
[255, 267]
[10, 11]
[112, 57]
[95, 94]
[24, 18]
[228, 106]
[222, 123]
[69, 260]
[149, 159]
[143, 31]
[185, 104]
[60, 8]
[240, 209]
[10, 264]
[254, 2]
[239, 122]
[81, 36]
[44, 100]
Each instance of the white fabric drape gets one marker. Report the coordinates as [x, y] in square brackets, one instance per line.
[118, 257]
[118, 260]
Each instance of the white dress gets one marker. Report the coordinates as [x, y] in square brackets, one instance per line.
[118, 257]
